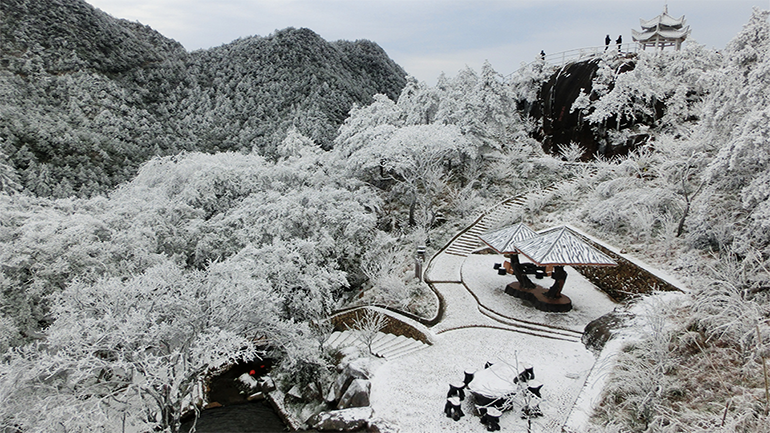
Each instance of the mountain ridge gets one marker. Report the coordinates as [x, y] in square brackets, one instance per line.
[87, 98]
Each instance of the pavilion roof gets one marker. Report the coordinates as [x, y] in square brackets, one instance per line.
[503, 240]
[664, 20]
[670, 34]
[561, 247]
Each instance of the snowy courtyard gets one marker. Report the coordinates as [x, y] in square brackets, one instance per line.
[411, 391]
[480, 326]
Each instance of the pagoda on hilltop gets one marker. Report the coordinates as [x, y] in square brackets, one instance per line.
[662, 31]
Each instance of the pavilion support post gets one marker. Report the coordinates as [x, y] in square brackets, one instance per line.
[560, 276]
[521, 277]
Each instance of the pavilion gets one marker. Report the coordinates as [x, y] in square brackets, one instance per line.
[662, 31]
[548, 251]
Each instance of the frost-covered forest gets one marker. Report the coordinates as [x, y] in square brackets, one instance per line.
[88, 98]
[165, 214]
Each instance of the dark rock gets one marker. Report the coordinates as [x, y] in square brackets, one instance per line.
[257, 396]
[562, 126]
[357, 394]
[599, 331]
[341, 420]
[306, 393]
[295, 393]
[266, 384]
[311, 392]
[356, 369]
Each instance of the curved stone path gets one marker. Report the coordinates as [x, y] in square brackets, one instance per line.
[461, 306]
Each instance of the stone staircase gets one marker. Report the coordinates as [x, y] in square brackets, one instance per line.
[388, 346]
[469, 241]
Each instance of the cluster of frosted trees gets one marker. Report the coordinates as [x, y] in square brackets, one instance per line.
[85, 99]
[696, 201]
[114, 306]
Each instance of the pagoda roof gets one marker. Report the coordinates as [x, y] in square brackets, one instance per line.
[663, 20]
[668, 34]
[502, 240]
[561, 247]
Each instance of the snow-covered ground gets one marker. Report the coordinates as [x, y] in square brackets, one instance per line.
[445, 267]
[588, 302]
[410, 392]
[634, 330]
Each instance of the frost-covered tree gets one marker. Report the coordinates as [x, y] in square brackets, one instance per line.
[655, 89]
[9, 179]
[416, 163]
[737, 178]
[129, 352]
[482, 106]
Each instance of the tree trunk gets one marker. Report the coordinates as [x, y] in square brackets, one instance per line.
[687, 199]
[412, 207]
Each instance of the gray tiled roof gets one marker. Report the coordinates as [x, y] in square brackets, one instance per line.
[560, 246]
[502, 240]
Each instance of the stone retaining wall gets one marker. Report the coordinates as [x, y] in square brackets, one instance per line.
[622, 282]
[395, 326]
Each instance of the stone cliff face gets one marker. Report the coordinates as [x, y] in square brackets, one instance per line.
[561, 126]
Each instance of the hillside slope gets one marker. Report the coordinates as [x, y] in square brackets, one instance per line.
[86, 98]
[258, 87]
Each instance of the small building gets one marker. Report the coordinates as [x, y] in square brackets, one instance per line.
[662, 31]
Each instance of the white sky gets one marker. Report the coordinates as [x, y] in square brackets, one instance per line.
[427, 37]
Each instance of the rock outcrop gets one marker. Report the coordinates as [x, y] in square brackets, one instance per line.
[341, 420]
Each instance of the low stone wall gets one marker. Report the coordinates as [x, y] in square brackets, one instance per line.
[395, 326]
[622, 282]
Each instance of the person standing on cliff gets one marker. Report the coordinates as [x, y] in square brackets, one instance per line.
[607, 41]
[619, 41]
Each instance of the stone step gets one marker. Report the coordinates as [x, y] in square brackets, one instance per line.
[460, 252]
[466, 243]
[342, 339]
[412, 347]
[333, 339]
[382, 341]
[385, 345]
[463, 244]
[393, 345]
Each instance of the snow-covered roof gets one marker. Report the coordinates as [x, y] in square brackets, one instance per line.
[560, 247]
[663, 20]
[663, 30]
[668, 34]
[502, 240]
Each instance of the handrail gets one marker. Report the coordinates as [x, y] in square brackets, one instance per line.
[560, 59]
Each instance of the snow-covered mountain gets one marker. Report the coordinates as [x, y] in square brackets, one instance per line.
[86, 98]
[218, 206]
